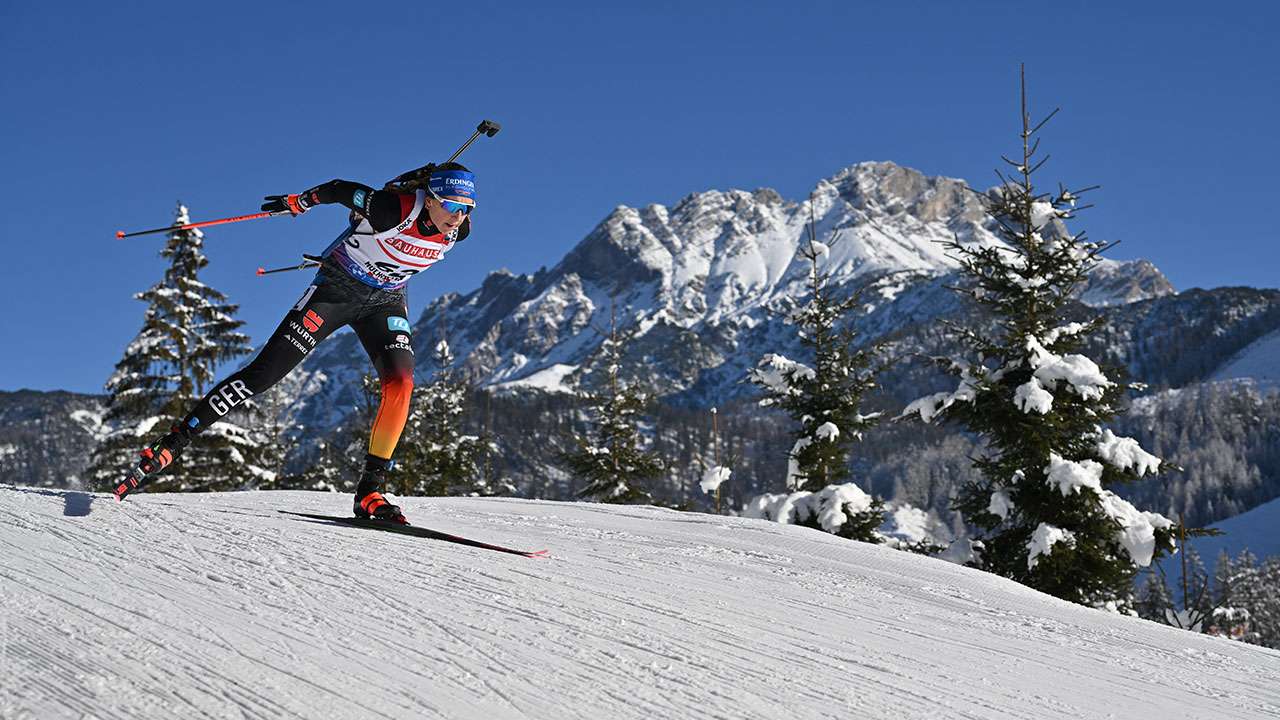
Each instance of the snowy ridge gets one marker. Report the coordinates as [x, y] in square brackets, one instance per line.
[714, 265]
[204, 606]
[1115, 282]
[705, 280]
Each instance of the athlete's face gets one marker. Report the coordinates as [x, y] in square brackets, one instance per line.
[444, 220]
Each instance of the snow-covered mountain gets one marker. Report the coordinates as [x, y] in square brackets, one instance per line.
[212, 606]
[705, 276]
[44, 435]
[706, 281]
[1114, 282]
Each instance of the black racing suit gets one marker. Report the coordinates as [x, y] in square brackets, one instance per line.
[379, 317]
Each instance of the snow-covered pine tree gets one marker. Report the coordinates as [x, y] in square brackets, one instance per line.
[436, 456]
[1043, 506]
[1257, 589]
[329, 468]
[271, 429]
[1154, 602]
[825, 401]
[265, 416]
[188, 330]
[609, 457]
[1231, 616]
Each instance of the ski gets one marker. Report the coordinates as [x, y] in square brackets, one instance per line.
[388, 526]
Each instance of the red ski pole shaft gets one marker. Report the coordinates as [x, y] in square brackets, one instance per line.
[239, 218]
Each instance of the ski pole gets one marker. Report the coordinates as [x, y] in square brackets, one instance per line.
[488, 128]
[239, 218]
[308, 261]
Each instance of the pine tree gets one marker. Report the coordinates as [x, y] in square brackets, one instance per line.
[825, 402]
[264, 416]
[436, 456]
[329, 468]
[609, 457]
[188, 330]
[1154, 601]
[1043, 504]
[1258, 590]
[1231, 618]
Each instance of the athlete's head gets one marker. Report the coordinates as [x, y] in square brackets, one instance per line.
[451, 196]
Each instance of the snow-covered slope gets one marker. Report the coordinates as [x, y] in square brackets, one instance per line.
[204, 606]
[1258, 361]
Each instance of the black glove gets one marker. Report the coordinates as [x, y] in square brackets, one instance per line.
[293, 204]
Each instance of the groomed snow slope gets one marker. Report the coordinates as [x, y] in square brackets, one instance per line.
[195, 606]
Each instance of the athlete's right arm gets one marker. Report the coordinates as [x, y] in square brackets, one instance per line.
[381, 208]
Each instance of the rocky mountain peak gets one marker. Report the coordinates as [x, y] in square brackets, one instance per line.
[700, 280]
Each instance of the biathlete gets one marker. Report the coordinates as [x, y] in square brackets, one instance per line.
[395, 233]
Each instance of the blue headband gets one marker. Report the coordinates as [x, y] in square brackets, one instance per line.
[453, 183]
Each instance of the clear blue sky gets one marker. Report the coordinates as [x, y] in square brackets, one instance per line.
[114, 111]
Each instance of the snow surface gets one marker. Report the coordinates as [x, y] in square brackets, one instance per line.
[1125, 453]
[1081, 374]
[908, 524]
[1043, 540]
[1257, 361]
[1032, 396]
[215, 606]
[550, 379]
[713, 478]
[1071, 476]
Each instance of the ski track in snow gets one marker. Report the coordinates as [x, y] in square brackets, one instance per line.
[215, 606]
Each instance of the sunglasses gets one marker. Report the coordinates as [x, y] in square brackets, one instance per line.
[452, 207]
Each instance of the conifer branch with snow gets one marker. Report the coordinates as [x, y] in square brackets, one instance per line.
[1044, 508]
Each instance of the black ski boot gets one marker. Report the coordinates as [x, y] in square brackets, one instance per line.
[154, 459]
[369, 502]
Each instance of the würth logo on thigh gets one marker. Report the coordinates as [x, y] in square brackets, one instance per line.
[231, 395]
[312, 321]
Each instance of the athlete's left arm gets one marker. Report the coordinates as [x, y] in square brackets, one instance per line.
[381, 208]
